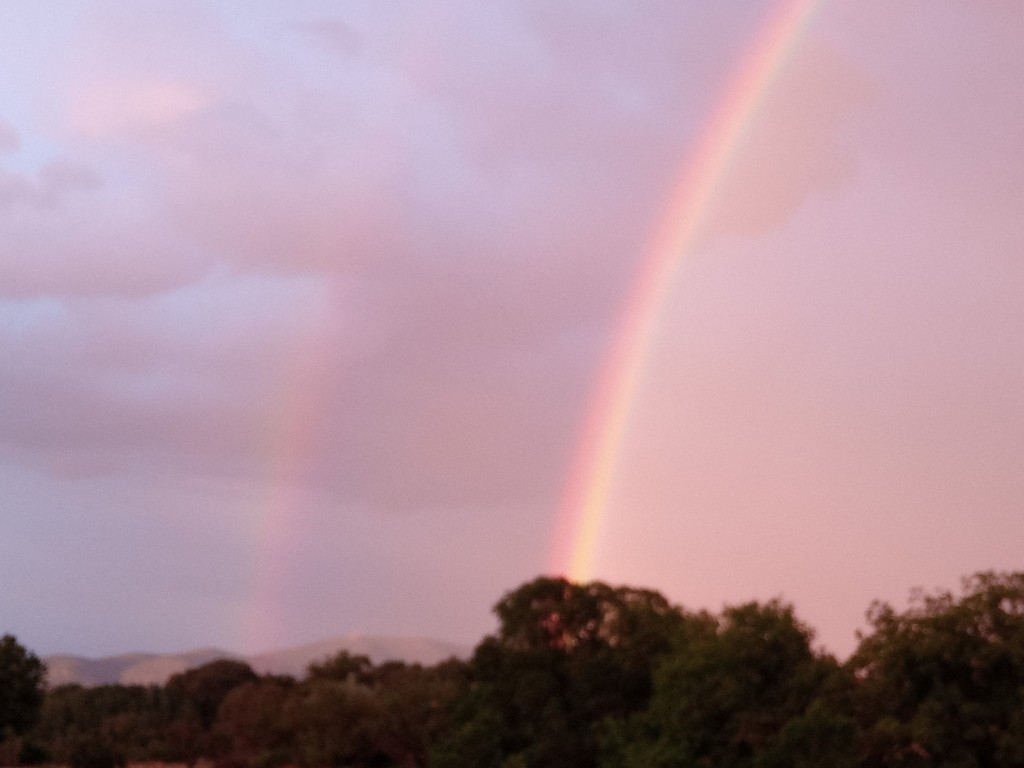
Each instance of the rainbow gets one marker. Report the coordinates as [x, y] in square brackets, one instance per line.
[583, 508]
[291, 437]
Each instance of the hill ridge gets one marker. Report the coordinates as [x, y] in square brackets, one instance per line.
[147, 668]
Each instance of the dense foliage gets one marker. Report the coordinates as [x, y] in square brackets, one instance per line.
[22, 678]
[21, 687]
[943, 682]
[582, 675]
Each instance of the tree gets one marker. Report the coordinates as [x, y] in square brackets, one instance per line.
[942, 683]
[22, 682]
[341, 666]
[334, 722]
[76, 722]
[92, 751]
[742, 691]
[566, 658]
[413, 700]
[204, 687]
[250, 721]
[199, 693]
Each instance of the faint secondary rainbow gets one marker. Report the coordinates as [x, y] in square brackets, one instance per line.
[293, 430]
[582, 512]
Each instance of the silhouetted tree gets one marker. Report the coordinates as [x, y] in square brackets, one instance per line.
[22, 681]
[942, 683]
[199, 693]
[580, 675]
[93, 751]
[134, 717]
[743, 691]
[334, 722]
[251, 721]
[342, 666]
[413, 702]
[204, 687]
[566, 658]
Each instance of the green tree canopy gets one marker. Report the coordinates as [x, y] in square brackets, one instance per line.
[134, 717]
[566, 658]
[744, 691]
[942, 683]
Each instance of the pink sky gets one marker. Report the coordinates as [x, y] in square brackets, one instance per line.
[301, 305]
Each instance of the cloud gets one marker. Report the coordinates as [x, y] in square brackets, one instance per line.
[48, 186]
[97, 375]
[335, 34]
[797, 145]
[136, 72]
[131, 104]
[9, 139]
[471, 203]
[364, 268]
[99, 242]
[452, 218]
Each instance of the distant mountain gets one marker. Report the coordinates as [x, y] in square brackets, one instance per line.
[156, 668]
[412, 650]
[127, 668]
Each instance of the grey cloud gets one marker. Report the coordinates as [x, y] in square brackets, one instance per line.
[61, 177]
[488, 189]
[10, 141]
[103, 245]
[335, 34]
[14, 189]
[48, 186]
[181, 381]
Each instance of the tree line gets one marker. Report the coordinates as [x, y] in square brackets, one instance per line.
[582, 675]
